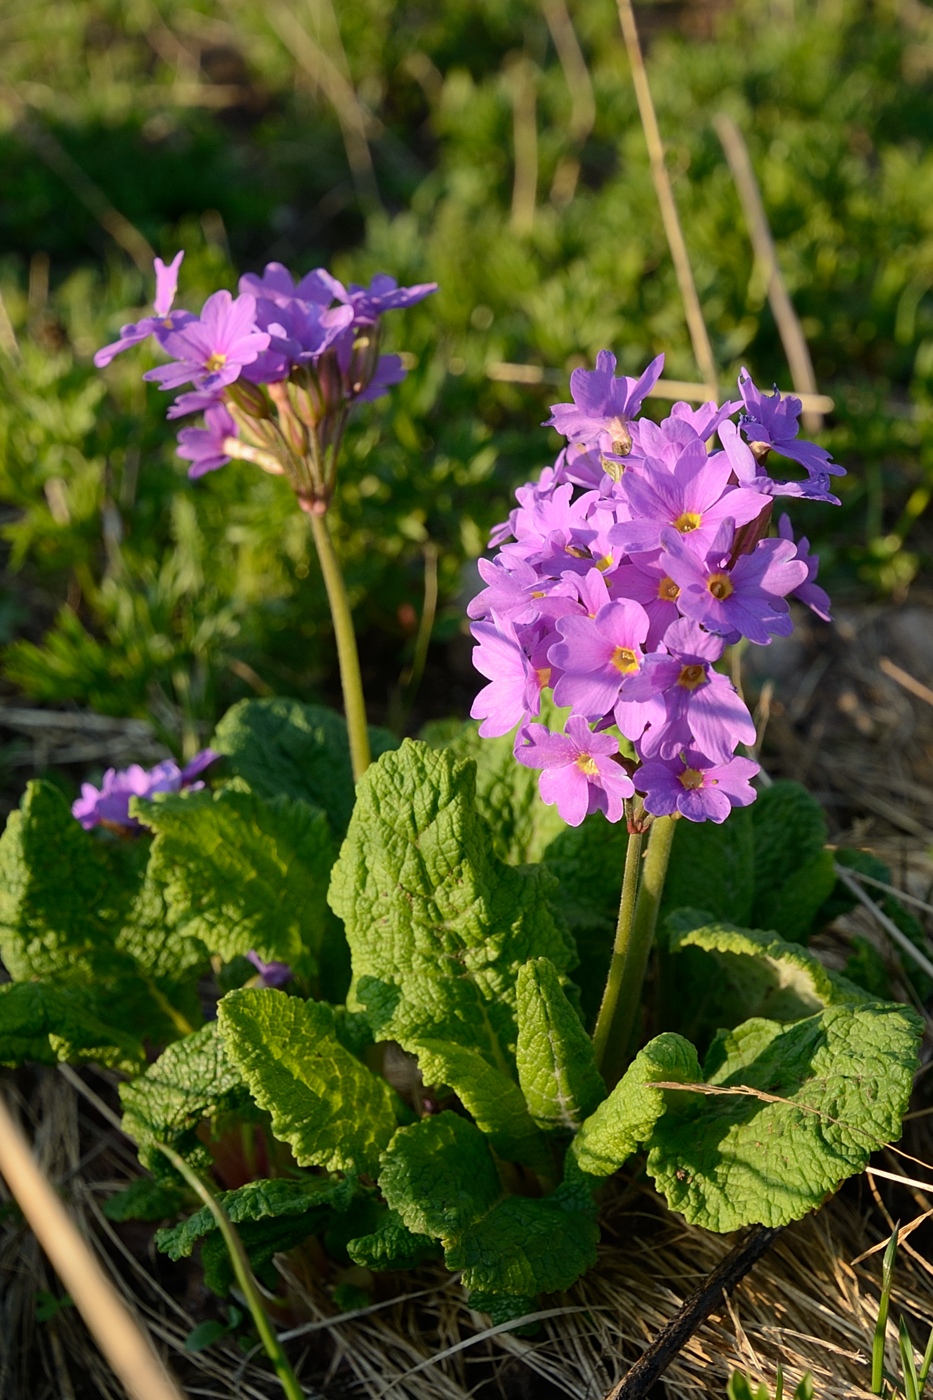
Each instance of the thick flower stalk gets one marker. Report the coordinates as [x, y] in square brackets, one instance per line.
[619, 580]
[275, 371]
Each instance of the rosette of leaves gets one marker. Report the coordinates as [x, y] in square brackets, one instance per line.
[770, 1082]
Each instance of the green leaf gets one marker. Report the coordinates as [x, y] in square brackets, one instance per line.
[261, 1239]
[507, 794]
[790, 832]
[146, 1199]
[712, 867]
[392, 1246]
[44, 1022]
[65, 899]
[588, 861]
[556, 1067]
[60, 905]
[626, 1120]
[440, 1178]
[192, 1081]
[313, 1198]
[495, 1101]
[438, 926]
[282, 748]
[722, 975]
[332, 1110]
[242, 873]
[843, 1078]
[794, 907]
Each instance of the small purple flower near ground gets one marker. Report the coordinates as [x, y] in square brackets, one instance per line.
[579, 773]
[271, 974]
[109, 805]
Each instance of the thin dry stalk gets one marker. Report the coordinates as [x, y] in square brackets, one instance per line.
[353, 119]
[583, 102]
[788, 322]
[521, 79]
[118, 1335]
[702, 349]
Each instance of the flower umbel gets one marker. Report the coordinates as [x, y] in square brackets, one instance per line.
[620, 578]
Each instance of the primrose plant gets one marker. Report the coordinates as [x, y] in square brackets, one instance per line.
[431, 1037]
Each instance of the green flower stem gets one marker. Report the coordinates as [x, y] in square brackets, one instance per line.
[244, 1276]
[610, 1003]
[350, 679]
[634, 936]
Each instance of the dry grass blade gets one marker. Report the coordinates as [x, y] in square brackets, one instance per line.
[699, 335]
[118, 1335]
[889, 926]
[904, 678]
[788, 322]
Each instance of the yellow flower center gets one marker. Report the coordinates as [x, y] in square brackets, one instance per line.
[668, 590]
[216, 361]
[691, 676]
[691, 778]
[604, 563]
[624, 660]
[688, 521]
[544, 676]
[720, 585]
[587, 765]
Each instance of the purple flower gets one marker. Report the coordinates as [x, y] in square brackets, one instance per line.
[384, 294]
[701, 708]
[109, 805]
[271, 974]
[808, 592]
[159, 325]
[749, 471]
[694, 498]
[772, 422]
[745, 599]
[277, 284]
[194, 402]
[514, 691]
[603, 405]
[579, 774]
[700, 790]
[389, 371]
[597, 656]
[211, 351]
[204, 447]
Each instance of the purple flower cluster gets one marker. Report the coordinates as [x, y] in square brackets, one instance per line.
[621, 577]
[274, 370]
[109, 805]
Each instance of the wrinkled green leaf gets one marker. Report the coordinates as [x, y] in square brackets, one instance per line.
[281, 747]
[440, 1177]
[191, 1081]
[588, 861]
[146, 1199]
[507, 794]
[721, 975]
[438, 926]
[392, 1246]
[556, 1066]
[43, 1022]
[790, 833]
[495, 1101]
[626, 1120]
[843, 1078]
[794, 907]
[313, 1198]
[261, 1239]
[242, 873]
[66, 901]
[332, 1110]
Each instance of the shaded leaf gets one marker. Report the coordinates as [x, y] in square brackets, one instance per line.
[556, 1066]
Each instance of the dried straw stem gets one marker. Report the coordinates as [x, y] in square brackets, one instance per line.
[702, 349]
[788, 322]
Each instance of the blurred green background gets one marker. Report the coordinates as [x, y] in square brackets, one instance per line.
[492, 145]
